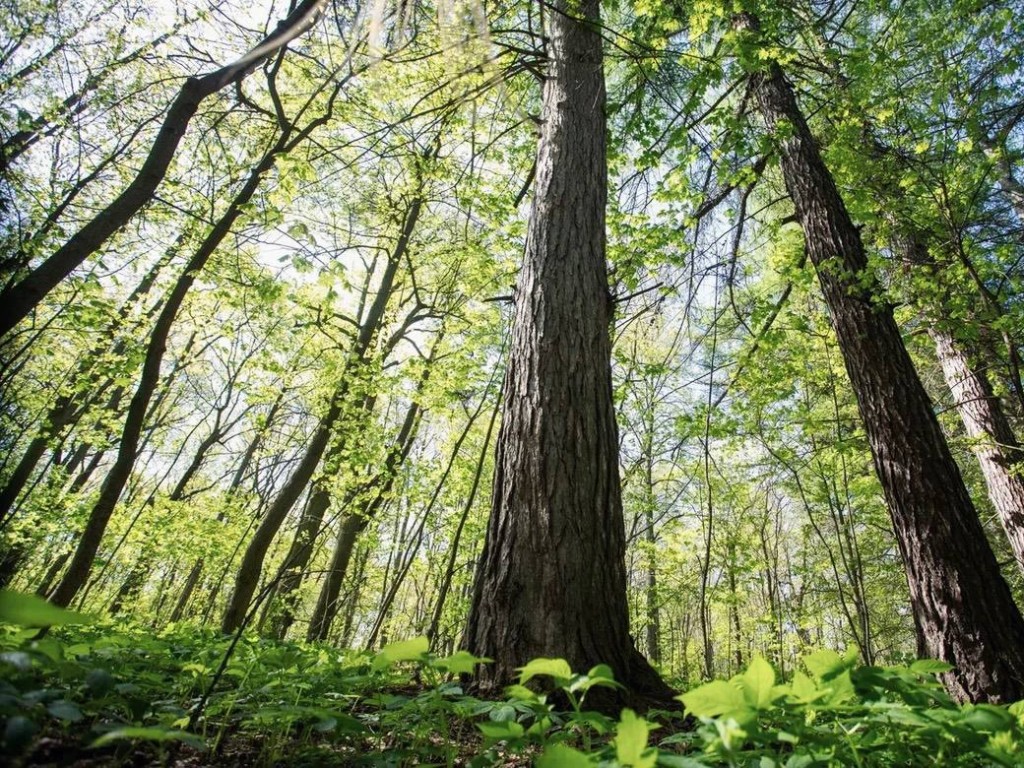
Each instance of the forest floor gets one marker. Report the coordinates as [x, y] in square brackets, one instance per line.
[121, 695]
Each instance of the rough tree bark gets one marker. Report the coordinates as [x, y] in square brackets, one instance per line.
[963, 609]
[551, 581]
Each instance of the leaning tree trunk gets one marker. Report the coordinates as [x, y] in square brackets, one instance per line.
[251, 568]
[995, 445]
[68, 408]
[963, 608]
[131, 434]
[21, 298]
[552, 578]
[326, 607]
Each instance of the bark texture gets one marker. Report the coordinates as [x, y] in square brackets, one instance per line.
[995, 444]
[552, 580]
[963, 609]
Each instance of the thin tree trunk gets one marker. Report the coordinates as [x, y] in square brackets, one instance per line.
[195, 574]
[66, 411]
[20, 299]
[453, 550]
[352, 525]
[963, 609]
[128, 446]
[993, 441]
[327, 601]
[252, 561]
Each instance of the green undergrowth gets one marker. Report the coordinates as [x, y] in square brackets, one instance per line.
[103, 694]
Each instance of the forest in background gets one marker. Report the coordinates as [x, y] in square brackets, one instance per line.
[259, 295]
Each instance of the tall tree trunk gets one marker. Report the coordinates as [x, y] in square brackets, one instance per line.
[17, 301]
[353, 524]
[963, 609]
[454, 548]
[195, 574]
[67, 409]
[327, 601]
[552, 578]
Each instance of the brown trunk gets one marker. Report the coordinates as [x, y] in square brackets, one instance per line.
[963, 609]
[552, 579]
[327, 602]
[194, 575]
[293, 569]
[249, 571]
[131, 434]
[67, 409]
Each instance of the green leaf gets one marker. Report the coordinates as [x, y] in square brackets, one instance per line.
[601, 672]
[678, 761]
[804, 690]
[988, 718]
[930, 667]
[149, 734]
[404, 650]
[631, 741]
[825, 664]
[714, 699]
[757, 683]
[31, 611]
[64, 710]
[18, 734]
[562, 756]
[505, 729]
[556, 668]
[601, 675]
[459, 663]
[520, 692]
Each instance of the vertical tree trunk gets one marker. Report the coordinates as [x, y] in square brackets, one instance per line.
[292, 571]
[552, 578]
[963, 609]
[195, 574]
[353, 524]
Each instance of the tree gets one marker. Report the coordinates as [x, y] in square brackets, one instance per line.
[964, 612]
[21, 298]
[551, 580]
